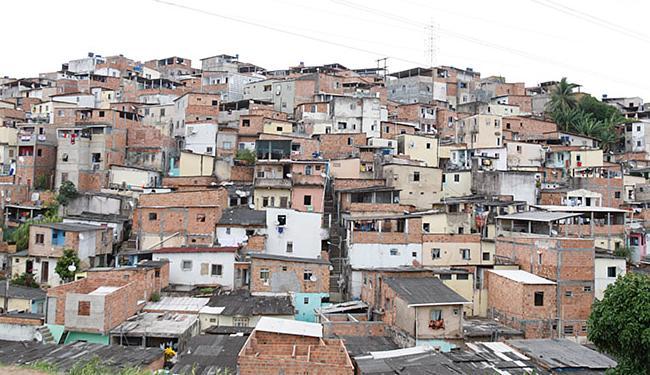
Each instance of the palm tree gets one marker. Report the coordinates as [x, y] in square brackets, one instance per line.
[562, 97]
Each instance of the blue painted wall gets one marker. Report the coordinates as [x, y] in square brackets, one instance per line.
[306, 303]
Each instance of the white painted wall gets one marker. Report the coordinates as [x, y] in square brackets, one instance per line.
[302, 228]
[367, 255]
[601, 280]
[193, 276]
[201, 138]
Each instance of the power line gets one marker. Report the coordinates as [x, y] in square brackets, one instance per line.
[487, 44]
[279, 30]
[593, 19]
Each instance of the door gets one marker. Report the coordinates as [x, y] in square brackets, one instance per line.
[29, 266]
[45, 271]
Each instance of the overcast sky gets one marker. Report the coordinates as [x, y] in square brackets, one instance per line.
[523, 40]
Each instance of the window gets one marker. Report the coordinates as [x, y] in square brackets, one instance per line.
[578, 157]
[583, 328]
[617, 194]
[40, 238]
[284, 268]
[264, 275]
[153, 216]
[426, 227]
[435, 253]
[226, 146]
[539, 258]
[265, 201]
[394, 252]
[486, 256]
[39, 152]
[307, 200]
[186, 265]
[349, 141]
[587, 288]
[539, 298]
[240, 322]
[416, 176]
[428, 145]
[200, 218]
[307, 275]
[456, 177]
[83, 308]
[305, 301]
[216, 270]
[208, 150]
[162, 112]
[213, 320]
[436, 314]
[289, 246]
[462, 276]
[568, 330]
[611, 271]
[282, 219]
[64, 157]
[101, 113]
[568, 293]
[308, 170]
[465, 254]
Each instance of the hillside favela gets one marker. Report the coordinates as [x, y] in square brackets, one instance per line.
[168, 216]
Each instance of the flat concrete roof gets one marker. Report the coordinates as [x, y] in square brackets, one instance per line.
[156, 325]
[541, 216]
[523, 277]
[289, 327]
[556, 208]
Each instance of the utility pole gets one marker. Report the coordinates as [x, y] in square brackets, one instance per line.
[382, 64]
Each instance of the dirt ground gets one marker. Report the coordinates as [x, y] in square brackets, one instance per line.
[13, 370]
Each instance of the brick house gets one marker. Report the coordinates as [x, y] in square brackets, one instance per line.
[523, 300]
[420, 308]
[89, 308]
[307, 280]
[93, 245]
[280, 346]
[182, 218]
[569, 262]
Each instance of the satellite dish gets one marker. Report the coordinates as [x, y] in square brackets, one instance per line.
[323, 175]
[251, 206]
[289, 175]
[313, 278]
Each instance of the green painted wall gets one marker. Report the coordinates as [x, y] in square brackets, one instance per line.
[56, 330]
[94, 338]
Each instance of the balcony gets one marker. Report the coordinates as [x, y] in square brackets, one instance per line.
[273, 183]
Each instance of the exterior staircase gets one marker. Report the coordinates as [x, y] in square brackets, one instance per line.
[46, 335]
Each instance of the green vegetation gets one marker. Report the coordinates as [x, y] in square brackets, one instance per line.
[67, 192]
[69, 258]
[41, 183]
[155, 297]
[587, 115]
[21, 234]
[246, 155]
[620, 324]
[95, 367]
[25, 279]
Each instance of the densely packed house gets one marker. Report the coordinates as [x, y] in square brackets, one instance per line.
[309, 207]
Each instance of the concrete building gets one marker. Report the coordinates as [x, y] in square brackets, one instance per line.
[191, 267]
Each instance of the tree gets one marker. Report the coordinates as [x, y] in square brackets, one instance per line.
[562, 97]
[21, 234]
[69, 258]
[620, 323]
[246, 155]
[67, 192]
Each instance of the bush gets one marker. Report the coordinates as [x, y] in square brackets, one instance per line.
[25, 279]
[155, 297]
[245, 155]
